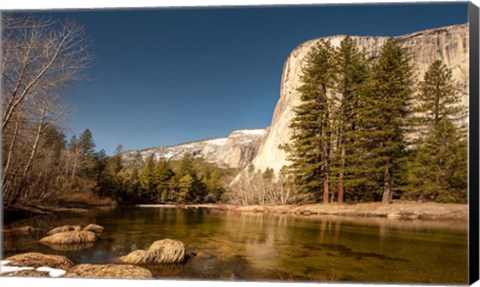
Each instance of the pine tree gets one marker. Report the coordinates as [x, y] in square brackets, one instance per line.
[352, 73]
[309, 151]
[148, 180]
[383, 114]
[214, 187]
[135, 186]
[163, 175]
[185, 187]
[438, 169]
[86, 154]
[86, 144]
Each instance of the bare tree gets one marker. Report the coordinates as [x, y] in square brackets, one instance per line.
[40, 58]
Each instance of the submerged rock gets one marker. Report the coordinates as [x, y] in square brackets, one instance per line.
[122, 271]
[93, 228]
[70, 237]
[161, 251]
[35, 260]
[19, 230]
[64, 228]
[70, 247]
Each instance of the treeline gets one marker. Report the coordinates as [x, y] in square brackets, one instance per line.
[149, 181]
[365, 131]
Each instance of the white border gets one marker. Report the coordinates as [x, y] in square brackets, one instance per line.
[88, 4]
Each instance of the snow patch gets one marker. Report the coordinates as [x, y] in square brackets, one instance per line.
[52, 272]
[220, 141]
[8, 269]
[168, 155]
[256, 132]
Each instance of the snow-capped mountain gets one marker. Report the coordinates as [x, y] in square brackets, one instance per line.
[235, 151]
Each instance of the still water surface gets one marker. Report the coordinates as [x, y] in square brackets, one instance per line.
[269, 247]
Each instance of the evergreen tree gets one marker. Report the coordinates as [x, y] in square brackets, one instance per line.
[383, 118]
[86, 144]
[163, 175]
[438, 97]
[86, 154]
[438, 169]
[352, 73]
[135, 190]
[185, 188]
[309, 151]
[148, 180]
[214, 186]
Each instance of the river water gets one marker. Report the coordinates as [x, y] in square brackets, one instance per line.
[259, 247]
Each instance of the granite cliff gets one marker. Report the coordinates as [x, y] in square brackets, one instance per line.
[448, 44]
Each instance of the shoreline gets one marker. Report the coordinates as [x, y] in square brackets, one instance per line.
[400, 210]
[403, 210]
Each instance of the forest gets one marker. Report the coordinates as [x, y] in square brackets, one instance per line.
[365, 131]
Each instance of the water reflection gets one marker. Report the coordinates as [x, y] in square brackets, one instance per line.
[270, 247]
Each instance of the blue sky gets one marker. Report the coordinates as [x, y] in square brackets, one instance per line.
[165, 76]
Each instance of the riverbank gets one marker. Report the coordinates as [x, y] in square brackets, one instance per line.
[38, 207]
[407, 210]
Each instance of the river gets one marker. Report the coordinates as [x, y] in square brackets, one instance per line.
[259, 247]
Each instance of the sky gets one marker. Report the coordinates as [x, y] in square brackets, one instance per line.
[166, 76]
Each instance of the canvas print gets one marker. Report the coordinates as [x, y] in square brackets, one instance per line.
[316, 143]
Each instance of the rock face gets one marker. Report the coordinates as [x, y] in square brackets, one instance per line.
[448, 44]
[235, 151]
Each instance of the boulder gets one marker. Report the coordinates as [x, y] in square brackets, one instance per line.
[93, 228]
[121, 271]
[64, 228]
[161, 251]
[35, 260]
[70, 237]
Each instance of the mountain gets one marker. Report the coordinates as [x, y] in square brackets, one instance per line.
[260, 147]
[448, 44]
[234, 151]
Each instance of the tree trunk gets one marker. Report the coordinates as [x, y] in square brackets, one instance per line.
[326, 160]
[341, 174]
[387, 192]
[10, 149]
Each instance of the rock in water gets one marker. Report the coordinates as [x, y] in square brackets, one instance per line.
[168, 251]
[138, 257]
[64, 228]
[93, 228]
[120, 271]
[70, 237]
[161, 251]
[36, 260]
